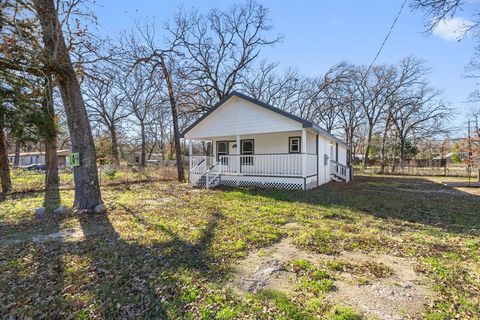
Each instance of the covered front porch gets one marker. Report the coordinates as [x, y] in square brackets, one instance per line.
[254, 144]
[276, 159]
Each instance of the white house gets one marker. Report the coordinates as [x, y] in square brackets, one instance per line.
[255, 144]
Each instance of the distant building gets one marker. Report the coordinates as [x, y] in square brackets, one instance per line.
[134, 158]
[449, 156]
[38, 157]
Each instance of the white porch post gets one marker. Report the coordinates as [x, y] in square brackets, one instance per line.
[190, 160]
[304, 152]
[190, 153]
[238, 154]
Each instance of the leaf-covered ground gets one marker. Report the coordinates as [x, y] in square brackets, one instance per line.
[166, 251]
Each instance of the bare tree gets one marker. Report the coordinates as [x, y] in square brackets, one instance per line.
[437, 11]
[105, 104]
[144, 51]
[6, 182]
[421, 115]
[140, 96]
[474, 116]
[265, 83]
[327, 95]
[50, 132]
[219, 47]
[159, 122]
[350, 114]
[58, 61]
[374, 89]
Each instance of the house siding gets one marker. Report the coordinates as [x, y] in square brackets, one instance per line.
[342, 154]
[326, 147]
[28, 160]
[271, 143]
[238, 116]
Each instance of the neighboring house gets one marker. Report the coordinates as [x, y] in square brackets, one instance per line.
[134, 158]
[38, 157]
[255, 144]
[449, 156]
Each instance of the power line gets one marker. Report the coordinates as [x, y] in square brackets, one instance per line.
[386, 38]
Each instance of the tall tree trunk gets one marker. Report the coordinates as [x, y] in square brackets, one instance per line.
[367, 149]
[115, 155]
[143, 156]
[350, 145]
[162, 142]
[51, 198]
[5, 179]
[172, 150]
[150, 151]
[176, 132]
[402, 153]
[394, 155]
[384, 142]
[87, 188]
[16, 159]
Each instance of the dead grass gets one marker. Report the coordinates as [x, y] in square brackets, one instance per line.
[32, 181]
[167, 251]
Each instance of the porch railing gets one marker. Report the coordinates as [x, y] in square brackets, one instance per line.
[205, 171]
[213, 175]
[269, 164]
[196, 160]
[198, 166]
[340, 170]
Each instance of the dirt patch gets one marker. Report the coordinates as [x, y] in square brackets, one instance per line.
[402, 294]
[63, 235]
[264, 269]
[452, 192]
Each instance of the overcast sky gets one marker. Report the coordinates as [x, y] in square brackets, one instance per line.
[319, 34]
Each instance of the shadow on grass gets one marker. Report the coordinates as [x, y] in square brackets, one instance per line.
[31, 275]
[415, 200]
[134, 279]
[123, 279]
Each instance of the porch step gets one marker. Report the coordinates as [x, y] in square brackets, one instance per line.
[201, 182]
[214, 182]
[337, 178]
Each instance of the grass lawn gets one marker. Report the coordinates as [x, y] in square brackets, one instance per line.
[166, 251]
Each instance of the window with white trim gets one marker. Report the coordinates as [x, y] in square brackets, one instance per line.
[247, 149]
[294, 144]
[222, 150]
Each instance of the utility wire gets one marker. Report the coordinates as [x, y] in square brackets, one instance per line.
[386, 38]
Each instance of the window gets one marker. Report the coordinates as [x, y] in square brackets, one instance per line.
[222, 150]
[247, 148]
[294, 144]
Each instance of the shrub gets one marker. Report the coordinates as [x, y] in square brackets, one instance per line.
[110, 171]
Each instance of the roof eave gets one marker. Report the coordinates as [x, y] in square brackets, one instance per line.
[305, 123]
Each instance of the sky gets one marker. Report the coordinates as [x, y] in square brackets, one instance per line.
[318, 34]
